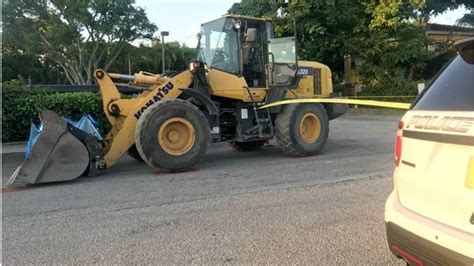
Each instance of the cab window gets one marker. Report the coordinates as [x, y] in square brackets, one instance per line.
[218, 46]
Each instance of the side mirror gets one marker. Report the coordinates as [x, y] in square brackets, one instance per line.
[250, 35]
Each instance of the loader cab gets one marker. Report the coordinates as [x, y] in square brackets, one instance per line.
[250, 49]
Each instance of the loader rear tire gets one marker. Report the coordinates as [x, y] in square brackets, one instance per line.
[247, 146]
[302, 129]
[172, 136]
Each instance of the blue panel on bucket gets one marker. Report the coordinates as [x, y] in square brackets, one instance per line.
[86, 123]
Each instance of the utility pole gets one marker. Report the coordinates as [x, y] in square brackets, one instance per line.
[163, 34]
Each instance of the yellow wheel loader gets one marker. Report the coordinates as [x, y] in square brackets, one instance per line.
[241, 66]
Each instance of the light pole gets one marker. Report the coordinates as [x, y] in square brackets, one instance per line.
[163, 34]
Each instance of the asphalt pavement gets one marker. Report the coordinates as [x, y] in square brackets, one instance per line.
[236, 208]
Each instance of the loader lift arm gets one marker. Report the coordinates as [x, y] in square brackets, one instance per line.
[123, 114]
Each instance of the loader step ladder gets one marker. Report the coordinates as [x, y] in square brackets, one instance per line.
[264, 127]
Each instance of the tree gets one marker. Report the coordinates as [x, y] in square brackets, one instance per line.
[29, 67]
[435, 7]
[79, 36]
[148, 58]
[257, 8]
[467, 20]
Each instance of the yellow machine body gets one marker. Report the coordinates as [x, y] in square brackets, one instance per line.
[226, 84]
[122, 113]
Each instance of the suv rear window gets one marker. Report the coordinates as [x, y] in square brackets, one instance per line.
[451, 90]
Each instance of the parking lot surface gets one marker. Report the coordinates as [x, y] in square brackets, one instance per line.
[257, 207]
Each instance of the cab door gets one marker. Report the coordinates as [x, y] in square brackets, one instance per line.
[282, 62]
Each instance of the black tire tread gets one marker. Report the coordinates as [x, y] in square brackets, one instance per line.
[282, 130]
[141, 123]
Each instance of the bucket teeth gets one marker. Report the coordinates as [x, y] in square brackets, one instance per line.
[56, 156]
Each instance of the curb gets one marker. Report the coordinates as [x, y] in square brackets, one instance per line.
[13, 147]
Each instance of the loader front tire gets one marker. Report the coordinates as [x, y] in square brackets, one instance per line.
[172, 136]
[302, 129]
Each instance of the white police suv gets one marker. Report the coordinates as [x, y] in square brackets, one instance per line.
[430, 213]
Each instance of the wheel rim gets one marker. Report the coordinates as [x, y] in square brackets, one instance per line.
[310, 128]
[176, 136]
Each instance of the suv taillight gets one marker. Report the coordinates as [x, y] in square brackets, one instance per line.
[398, 143]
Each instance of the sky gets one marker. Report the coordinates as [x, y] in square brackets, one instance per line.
[182, 18]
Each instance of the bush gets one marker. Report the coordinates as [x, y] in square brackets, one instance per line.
[22, 105]
[393, 87]
[338, 88]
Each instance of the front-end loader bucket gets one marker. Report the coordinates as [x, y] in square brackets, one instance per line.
[56, 156]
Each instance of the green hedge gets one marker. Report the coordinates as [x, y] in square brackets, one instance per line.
[22, 105]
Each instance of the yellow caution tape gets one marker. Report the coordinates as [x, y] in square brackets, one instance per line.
[385, 96]
[395, 105]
